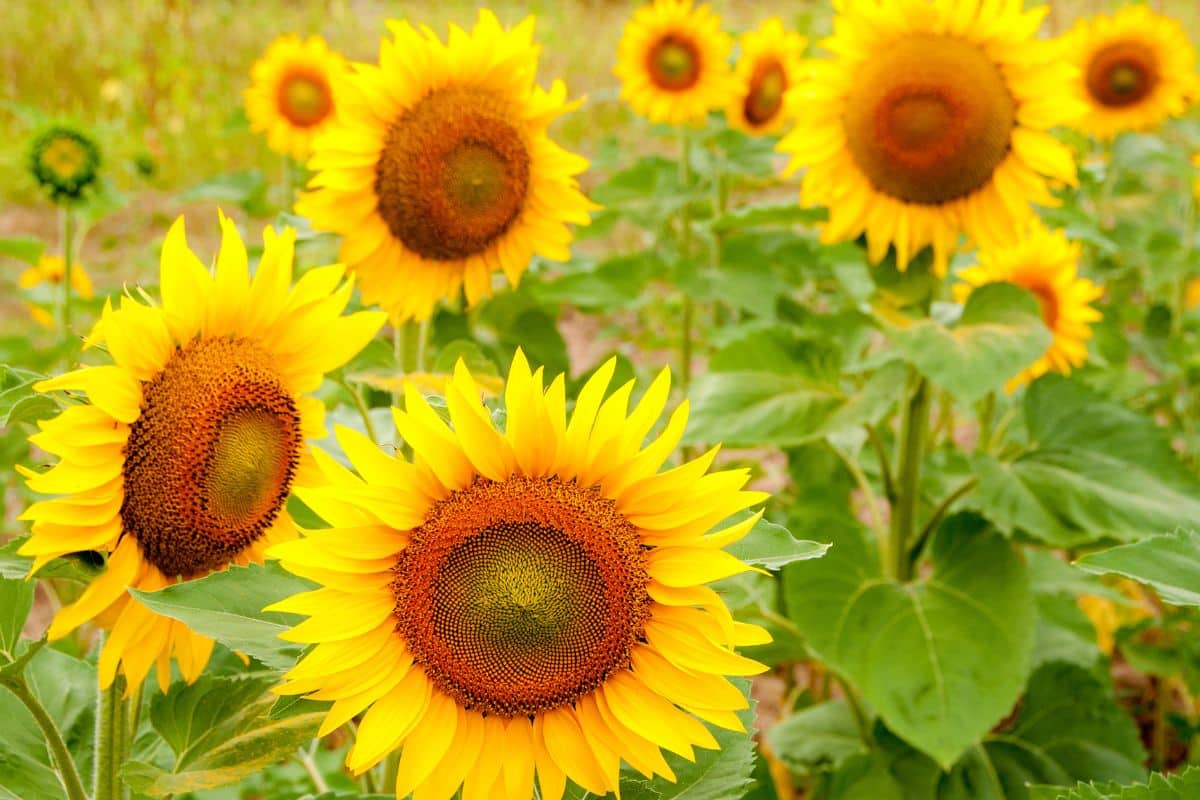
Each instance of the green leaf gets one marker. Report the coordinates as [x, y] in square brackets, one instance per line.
[78, 567]
[1184, 786]
[1168, 562]
[941, 659]
[614, 283]
[1095, 470]
[30, 409]
[1064, 633]
[773, 546]
[16, 601]
[246, 188]
[999, 333]
[471, 354]
[818, 738]
[766, 214]
[227, 606]
[23, 248]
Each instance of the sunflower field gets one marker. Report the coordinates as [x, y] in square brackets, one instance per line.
[646, 399]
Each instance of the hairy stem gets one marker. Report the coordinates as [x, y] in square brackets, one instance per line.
[59, 754]
[68, 242]
[908, 472]
[110, 737]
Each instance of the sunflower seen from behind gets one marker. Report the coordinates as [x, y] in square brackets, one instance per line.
[673, 62]
[65, 162]
[1136, 69]
[181, 455]
[769, 63]
[930, 119]
[439, 172]
[1046, 264]
[292, 95]
[523, 602]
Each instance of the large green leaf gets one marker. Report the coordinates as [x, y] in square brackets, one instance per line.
[999, 333]
[817, 738]
[941, 659]
[77, 567]
[1184, 786]
[220, 732]
[16, 600]
[772, 546]
[227, 606]
[1095, 470]
[1168, 562]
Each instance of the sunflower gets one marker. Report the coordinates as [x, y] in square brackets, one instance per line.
[929, 121]
[526, 601]
[1136, 69]
[293, 93]
[183, 458]
[673, 62]
[65, 162]
[51, 269]
[439, 171]
[1044, 263]
[769, 64]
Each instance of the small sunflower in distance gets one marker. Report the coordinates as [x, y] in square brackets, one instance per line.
[65, 162]
[1136, 69]
[930, 120]
[770, 63]
[1044, 263]
[292, 95]
[673, 62]
[182, 459]
[523, 602]
[51, 269]
[440, 173]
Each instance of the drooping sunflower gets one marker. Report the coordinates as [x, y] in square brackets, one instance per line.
[1044, 263]
[65, 162]
[526, 601]
[439, 172]
[930, 120]
[673, 62]
[292, 95]
[1136, 69]
[185, 452]
[768, 65]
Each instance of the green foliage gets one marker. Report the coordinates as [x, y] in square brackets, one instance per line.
[940, 659]
[1183, 786]
[818, 738]
[772, 546]
[1169, 562]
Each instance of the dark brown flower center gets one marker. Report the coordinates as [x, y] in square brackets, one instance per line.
[764, 97]
[453, 175]
[210, 459]
[929, 119]
[1122, 74]
[674, 63]
[518, 597]
[305, 98]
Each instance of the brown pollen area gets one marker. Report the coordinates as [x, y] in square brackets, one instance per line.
[520, 596]
[929, 119]
[673, 63]
[764, 97]
[304, 97]
[211, 457]
[1122, 74]
[453, 174]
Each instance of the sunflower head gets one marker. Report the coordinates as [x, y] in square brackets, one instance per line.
[930, 121]
[673, 62]
[523, 602]
[292, 95]
[1045, 264]
[439, 171]
[1136, 69]
[65, 162]
[51, 270]
[179, 455]
[769, 64]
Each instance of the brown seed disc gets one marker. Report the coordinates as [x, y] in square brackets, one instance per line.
[929, 119]
[764, 96]
[453, 174]
[518, 597]
[673, 63]
[1122, 74]
[304, 98]
[210, 459]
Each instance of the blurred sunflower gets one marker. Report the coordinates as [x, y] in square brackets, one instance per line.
[292, 95]
[527, 601]
[65, 162]
[439, 172]
[51, 269]
[1044, 263]
[183, 458]
[1136, 69]
[673, 62]
[929, 121]
[769, 64]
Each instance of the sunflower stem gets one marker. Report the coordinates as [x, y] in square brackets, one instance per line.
[110, 722]
[305, 757]
[391, 768]
[289, 186]
[422, 344]
[59, 754]
[68, 241]
[912, 437]
[685, 246]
